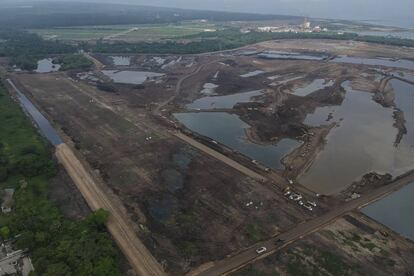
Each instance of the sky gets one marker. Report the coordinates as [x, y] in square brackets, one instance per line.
[397, 12]
[345, 9]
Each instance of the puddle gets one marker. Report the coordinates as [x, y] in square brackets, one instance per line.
[227, 101]
[45, 128]
[400, 63]
[364, 141]
[229, 130]
[395, 211]
[316, 85]
[46, 66]
[121, 61]
[252, 74]
[131, 77]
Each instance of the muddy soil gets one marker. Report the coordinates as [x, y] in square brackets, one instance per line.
[353, 245]
[188, 208]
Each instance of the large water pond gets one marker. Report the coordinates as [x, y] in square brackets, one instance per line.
[229, 130]
[399, 63]
[227, 101]
[290, 55]
[46, 129]
[363, 142]
[46, 66]
[395, 211]
[131, 77]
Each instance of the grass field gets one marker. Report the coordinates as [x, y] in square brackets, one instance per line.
[123, 32]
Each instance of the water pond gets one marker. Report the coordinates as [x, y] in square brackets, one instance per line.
[399, 63]
[227, 101]
[46, 66]
[131, 77]
[290, 55]
[230, 130]
[395, 211]
[316, 85]
[363, 142]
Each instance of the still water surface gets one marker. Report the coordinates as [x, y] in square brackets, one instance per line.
[45, 128]
[363, 142]
[230, 130]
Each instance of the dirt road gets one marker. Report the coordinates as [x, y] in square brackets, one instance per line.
[220, 157]
[118, 224]
[274, 244]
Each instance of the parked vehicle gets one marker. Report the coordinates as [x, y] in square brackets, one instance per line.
[261, 250]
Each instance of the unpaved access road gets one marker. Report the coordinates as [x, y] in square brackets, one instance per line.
[274, 244]
[118, 225]
[219, 156]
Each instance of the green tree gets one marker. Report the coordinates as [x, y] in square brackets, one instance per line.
[5, 232]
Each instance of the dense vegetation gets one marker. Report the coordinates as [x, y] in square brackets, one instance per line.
[25, 48]
[57, 246]
[69, 62]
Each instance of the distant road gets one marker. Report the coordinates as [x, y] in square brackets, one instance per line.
[249, 256]
[112, 36]
[118, 224]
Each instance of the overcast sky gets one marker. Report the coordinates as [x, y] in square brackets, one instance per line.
[396, 10]
[399, 12]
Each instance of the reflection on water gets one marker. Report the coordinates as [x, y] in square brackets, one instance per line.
[121, 61]
[46, 66]
[316, 85]
[400, 63]
[131, 77]
[395, 211]
[363, 142]
[42, 123]
[229, 130]
[224, 101]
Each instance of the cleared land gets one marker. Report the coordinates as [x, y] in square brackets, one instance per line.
[189, 208]
[122, 32]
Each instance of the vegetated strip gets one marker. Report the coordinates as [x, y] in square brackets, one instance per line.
[57, 245]
[118, 225]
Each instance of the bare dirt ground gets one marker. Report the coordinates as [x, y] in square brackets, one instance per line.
[353, 48]
[187, 208]
[353, 245]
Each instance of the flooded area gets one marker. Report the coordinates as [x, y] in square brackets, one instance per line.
[401, 203]
[46, 66]
[131, 77]
[354, 149]
[397, 63]
[224, 101]
[316, 85]
[290, 55]
[229, 130]
[121, 61]
[46, 129]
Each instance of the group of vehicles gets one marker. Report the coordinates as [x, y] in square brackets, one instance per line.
[308, 205]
